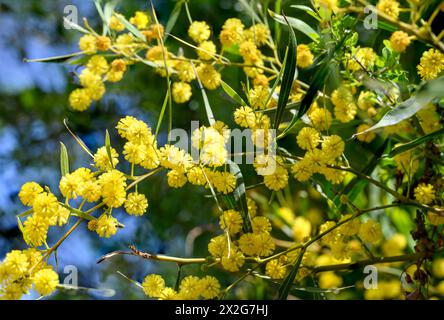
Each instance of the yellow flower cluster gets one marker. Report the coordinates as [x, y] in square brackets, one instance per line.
[190, 288]
[22, 271]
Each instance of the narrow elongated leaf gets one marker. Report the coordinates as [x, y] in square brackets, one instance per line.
[131, 28]
[108, 148]
[233, 94]
[162, 113]
[64, 161]
[55, 59]
[301, 7]
[414, 143]
[107, 14]
[79, 141]
[240, 196]
[74, 25]
[296, 24]
[408, 108]
[287, 77]
[286, 285]
[173, 18]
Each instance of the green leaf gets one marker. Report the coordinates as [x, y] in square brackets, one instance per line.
[425, 94]
[173, 18]
[296, 24]
[74, 25]
[108, 148]
[79, 141]
[108, 11]
[131, 28]
[19, 223]
[55, 59]
[286, 285]
[233, 94]
[287, 78]
[240, 196]
[307, 10]
[162, 113]
[414, 143]
[64, 161]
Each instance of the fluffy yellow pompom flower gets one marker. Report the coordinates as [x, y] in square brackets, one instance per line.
[328, 4]
[233, 262]
[140, 20]
[28, 193]
[249, 51]
[106, 226]
[425, 193]
[87, 44]
[102, 161]
[258, 33]
[365, 137]
[112, 184]
[370, 231]
[365, 56]
[304, 56]
[308, 138]
[275, 269]
[176, 178]
[80, 99]
[45, 205]
[45, 281]
[394, 245]
[190, 288]
[181, 92]
[206, 50]
[185, 71]
[333, 146]
[245, 117]
[366, 100]
[301, 229]
[256, 244]
[431, 64]
[115, 24]
[210, 287]
[136, 204]
[277, 180]
[389, 7]
[232, 32]
[320, 118]
[35, 230]
[329, 280]
[399, 40]
[199, 31]
[224, 182]
[218, 245]
[16, 263]
[232, 221]
[302, 170]
[97, 65]
[260, 224]
[258, 96]
[209, 76]
[345, 110]
[153, 285]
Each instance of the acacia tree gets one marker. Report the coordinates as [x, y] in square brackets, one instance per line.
[330, 117]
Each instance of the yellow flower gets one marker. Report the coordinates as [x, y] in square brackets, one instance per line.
[431, 64]
[399, 41]
[218, 245]
[329, 280]
[168, 294]
[97, 65]
[45, 281]
[256, 244]
[199, 31]
[210, 287]
[425, 193]
[176, 178]
[308, 138]
[260, 224]
[103, 43]
[366, 58]
[80, 99]
[258, 33]
[102, 161]
[249, 51]
[224, 182]
[275, 269]
[302, 170]
[206, 50]
[16, 263]
[328, 4]
[106, 226]
[195, 176]
[345, 110]
[115, 24]
[209, 77]
[29, 192]
[370, 231]
[232, 32]
[136, 204]
[438, 267]
[113, 184]
[366, 100]
[252, 207]
[153, 285]
[389, 7]
[89, 79]
[233, 262]
[258, 96]
[365, 137]
[304, 56]
[45, 205]
[277, 180]
[185, 71]
[320, 118]
[190, 288]
[87, 44]
[232, 221]
[140, 20]
[301, 229]
[181, 92]
[35, 230]
[395, 245]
